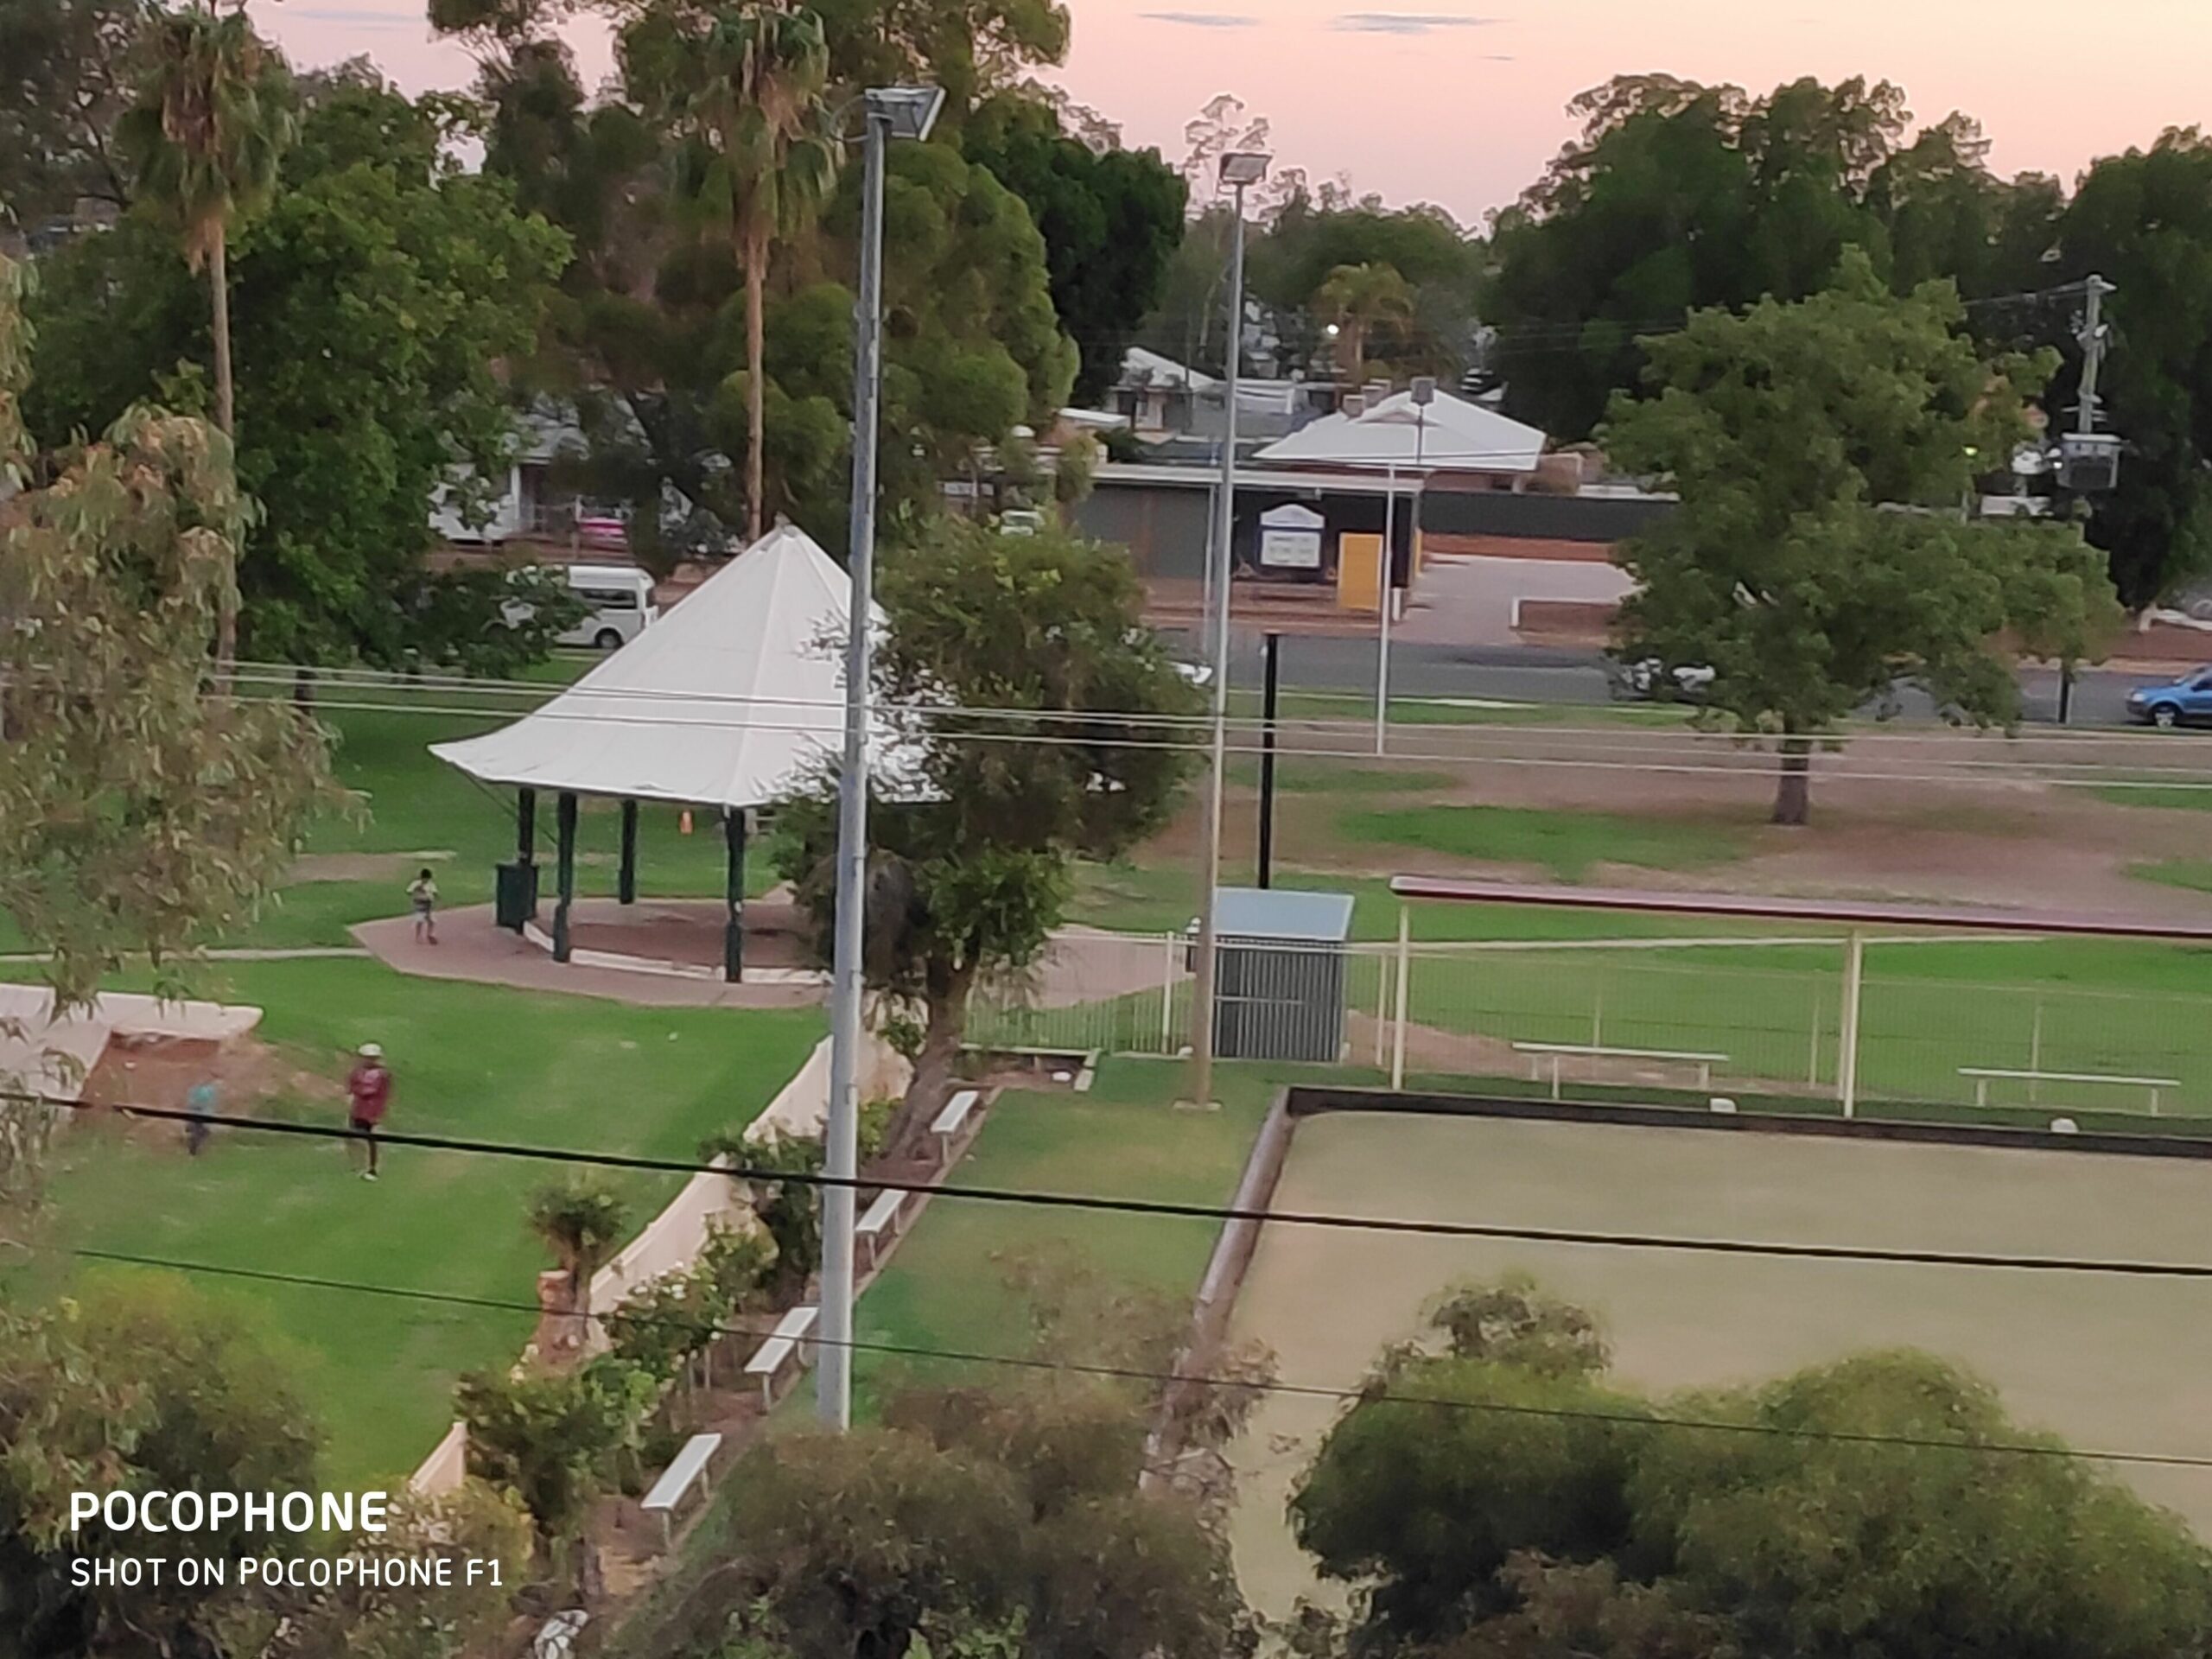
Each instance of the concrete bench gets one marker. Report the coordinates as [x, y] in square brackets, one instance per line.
[775, 1353]
[1982, 1076]
[678, 1479]
[1557, 1051]
[880, 1224]
[557, 1639]
[953, 1120]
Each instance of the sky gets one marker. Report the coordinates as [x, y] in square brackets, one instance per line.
[1461, 102]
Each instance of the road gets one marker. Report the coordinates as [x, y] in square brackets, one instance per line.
[1541, 675]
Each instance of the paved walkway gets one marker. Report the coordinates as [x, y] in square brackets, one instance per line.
[470, 947]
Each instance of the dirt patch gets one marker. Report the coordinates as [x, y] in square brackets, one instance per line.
[160, 1072]
[396, 868]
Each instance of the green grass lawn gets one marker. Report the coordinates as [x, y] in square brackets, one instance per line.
[947, 1287]
[1566, 843]
[2195, 873]
[475, 1061]
[2170, 797]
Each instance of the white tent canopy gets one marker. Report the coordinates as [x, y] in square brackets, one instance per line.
[1460, 437]
[735, 699]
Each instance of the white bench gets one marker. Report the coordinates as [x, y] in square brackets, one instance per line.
[676, 1480]
[1557, 1051]
[557, 1639]
[1982, 1075]
[880, 1222]
[774, 1354]
[953, 1119]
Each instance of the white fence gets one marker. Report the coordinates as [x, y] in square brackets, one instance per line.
[1907, 1020]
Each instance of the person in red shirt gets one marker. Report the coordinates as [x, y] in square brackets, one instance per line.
[368, 1093]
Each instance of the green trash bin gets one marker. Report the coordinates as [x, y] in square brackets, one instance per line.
[515, 896]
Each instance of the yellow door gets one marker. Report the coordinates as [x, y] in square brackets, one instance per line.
[1359, 573]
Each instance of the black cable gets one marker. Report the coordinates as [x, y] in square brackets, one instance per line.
[1376, 1393]
[1161, 1208]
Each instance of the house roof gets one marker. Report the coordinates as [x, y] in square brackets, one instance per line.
[1455, 435]
[735, 698]
[1142, 366]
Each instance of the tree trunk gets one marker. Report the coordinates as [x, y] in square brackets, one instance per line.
[937, 1065]
[756, 375]
[226, 607]
[1793, 794]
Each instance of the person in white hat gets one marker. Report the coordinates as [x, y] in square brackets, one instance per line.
[368, 1093]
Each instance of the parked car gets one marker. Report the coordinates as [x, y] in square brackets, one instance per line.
[621, 601]
[2184, 701]
[1648, 680]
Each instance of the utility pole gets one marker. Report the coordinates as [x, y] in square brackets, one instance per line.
[908, 113]
[1239, 171]
[1268, 706]
[2093, 352]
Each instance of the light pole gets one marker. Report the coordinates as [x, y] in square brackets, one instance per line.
[890, 112]
[1240, 170]
[1423, 394]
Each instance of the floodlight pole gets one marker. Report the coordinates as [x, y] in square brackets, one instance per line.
[1224, 529]
[841, 1131]
[1385, 574]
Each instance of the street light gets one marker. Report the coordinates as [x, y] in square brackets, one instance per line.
[1423, 394]
[889, 112]
[1240, 170]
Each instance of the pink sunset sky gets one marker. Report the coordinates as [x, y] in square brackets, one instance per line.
[1460, 102]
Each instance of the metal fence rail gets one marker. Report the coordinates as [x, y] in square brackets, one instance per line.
[1761, 1015]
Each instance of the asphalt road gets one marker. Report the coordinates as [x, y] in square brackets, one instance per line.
[1535, 674]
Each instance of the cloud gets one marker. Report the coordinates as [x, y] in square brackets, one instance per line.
[1201, 19]
[1407, 22]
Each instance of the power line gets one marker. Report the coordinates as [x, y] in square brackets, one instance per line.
[1370, 1394]
[1161, 1208]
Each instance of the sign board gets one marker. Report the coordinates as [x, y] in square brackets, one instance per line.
[1290, 538]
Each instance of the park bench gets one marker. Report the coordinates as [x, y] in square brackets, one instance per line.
[881, 1222]
[775, 1353]
[1983, 1075]
[1538, 1052]
[953, 1120]
[688, 1469]
[556, 1638]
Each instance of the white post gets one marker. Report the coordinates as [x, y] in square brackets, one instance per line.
[1381, 1011]
[2035, 1055]
[1812, 1056]
[1598, 1016]
[1846, 1066]
[1168, 996]
[1384, 587]
[1405, 979]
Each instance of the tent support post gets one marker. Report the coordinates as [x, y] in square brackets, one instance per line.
[526, 826]
[565, 817]
[734, 931]
[625, 881]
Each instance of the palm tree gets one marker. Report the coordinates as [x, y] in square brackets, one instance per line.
[771, 150]
[1358, 299]
[212, 119]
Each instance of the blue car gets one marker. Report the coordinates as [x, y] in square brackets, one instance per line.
[2184, 701]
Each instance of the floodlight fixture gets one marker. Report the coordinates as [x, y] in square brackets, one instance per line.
[1241, 168]
[911, 112]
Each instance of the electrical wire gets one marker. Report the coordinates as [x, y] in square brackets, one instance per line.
[1156, 1209]
[1375, 1393]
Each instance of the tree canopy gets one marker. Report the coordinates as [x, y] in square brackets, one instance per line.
[1819, 553]
[376, 299]
[65, 84]
[1568, 1508]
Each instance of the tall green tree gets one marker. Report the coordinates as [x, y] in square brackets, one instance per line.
[751, 87]
[974, 868]
[382, 294]
[1820, 554]
[206, 136]
[1866, 1506]
[1362, 302]
[65, 84]
[1111, 220]
[2144, 221]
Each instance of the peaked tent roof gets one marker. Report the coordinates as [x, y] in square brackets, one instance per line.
[1461, 436]
[732, 699]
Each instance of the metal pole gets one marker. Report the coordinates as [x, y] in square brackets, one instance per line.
[1846, 1065]
[2093, 352]
[1224, 526]
[1383, 580]
[841, 1161]
[1268, 764]
[1405, 981]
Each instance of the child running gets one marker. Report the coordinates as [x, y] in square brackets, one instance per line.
[422, 891]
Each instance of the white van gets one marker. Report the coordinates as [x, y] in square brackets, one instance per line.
[621, 598]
